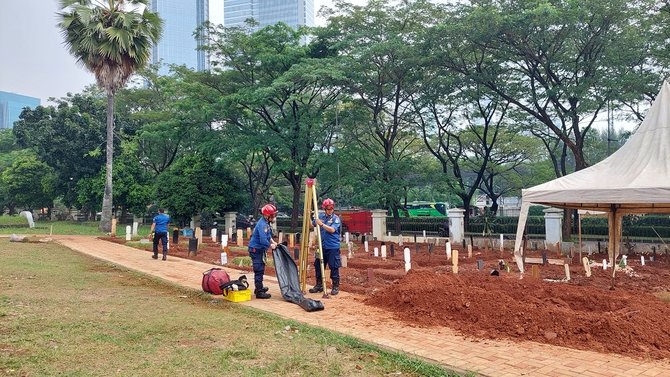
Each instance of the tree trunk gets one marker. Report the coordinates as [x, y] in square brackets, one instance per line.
[567, 225]
[494, 206]
[396, 218]
[106, 218]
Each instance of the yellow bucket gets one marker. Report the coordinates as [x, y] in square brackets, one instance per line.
[237, 296]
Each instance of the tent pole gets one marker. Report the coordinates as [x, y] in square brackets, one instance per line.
[614, 227]
[579, 225]
[521, 225]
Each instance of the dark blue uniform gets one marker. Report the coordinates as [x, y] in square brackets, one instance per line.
[331, 248]
[258, 245]
[161, 222]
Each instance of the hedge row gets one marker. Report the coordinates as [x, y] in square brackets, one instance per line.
[634, 226]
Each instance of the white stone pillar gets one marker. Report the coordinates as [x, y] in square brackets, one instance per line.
[230, 219]
[456, 225]
[553, 219]
[378, 224]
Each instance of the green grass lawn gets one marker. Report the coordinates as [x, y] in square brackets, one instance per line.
[19, 225]
[62, 313]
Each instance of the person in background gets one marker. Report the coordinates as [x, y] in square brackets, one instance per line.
[261, 240]
[330, 238]
[159, 229]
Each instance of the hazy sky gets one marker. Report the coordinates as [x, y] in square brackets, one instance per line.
[34, 61]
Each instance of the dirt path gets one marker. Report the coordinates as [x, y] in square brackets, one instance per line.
[348, 314]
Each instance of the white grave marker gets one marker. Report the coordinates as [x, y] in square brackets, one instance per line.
[587, 266]
[408, 263]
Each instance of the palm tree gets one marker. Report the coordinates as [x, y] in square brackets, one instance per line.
[112, 39]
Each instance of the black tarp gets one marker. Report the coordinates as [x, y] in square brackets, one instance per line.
[289, 284]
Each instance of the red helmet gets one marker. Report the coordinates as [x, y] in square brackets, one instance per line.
[269, 210]
[328, 203]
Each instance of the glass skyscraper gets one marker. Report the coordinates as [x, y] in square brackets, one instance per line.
[268, 12]
[11, 105]
[178, 44]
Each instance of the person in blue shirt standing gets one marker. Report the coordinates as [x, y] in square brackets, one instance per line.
[159, 228]
[330, 239]
[261, 240]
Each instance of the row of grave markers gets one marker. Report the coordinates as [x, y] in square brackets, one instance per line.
[451, 254]
[535, 272]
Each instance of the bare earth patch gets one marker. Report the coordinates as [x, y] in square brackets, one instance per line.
[582, 313]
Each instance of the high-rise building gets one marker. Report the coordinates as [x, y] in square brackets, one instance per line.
[11, 105]
[294, 13]
[178, 45]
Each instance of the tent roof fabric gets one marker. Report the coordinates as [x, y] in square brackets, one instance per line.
[635, 178]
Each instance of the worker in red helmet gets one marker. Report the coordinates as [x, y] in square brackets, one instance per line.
[261, 240]
[330, 224]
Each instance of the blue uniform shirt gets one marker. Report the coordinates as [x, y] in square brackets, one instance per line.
[330, 240]
[261, 236]
[161, 220]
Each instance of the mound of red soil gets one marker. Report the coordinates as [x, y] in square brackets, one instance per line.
[583, 313]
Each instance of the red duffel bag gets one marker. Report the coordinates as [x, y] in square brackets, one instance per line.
[213, 279]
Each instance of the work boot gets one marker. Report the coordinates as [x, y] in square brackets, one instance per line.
[155, 256]
[164, 256]
[336, 287]
[264, 289]
[317, 288]
[260, 293]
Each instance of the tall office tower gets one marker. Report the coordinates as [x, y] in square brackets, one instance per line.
[178, 45]
[268, 12]
[11, 105]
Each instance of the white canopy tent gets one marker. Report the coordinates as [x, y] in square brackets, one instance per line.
[634, 179]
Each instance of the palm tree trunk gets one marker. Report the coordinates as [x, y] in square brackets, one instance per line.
[106, 218]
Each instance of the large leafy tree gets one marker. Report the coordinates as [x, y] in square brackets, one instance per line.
[197, 183]
[29, 183]
[68, 137]
[273, 94]
[112, 39]
[558, 62]
[511, 151]
[165, 118]
[9, 153]
[375, 46]
[465, 152]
